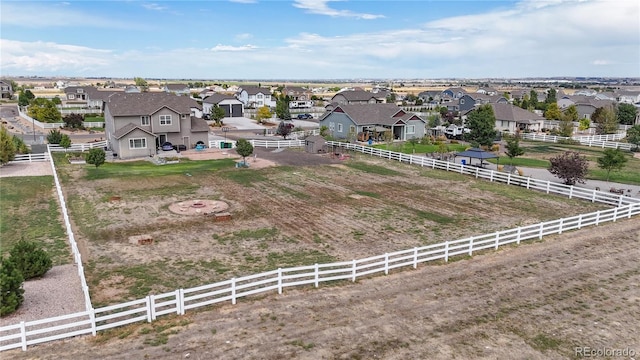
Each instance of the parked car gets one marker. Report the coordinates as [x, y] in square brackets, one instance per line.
[166, 146]
[304, 116]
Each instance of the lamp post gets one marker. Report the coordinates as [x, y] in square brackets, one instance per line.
[225, 130]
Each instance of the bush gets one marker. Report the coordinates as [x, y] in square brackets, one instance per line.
[30, 259]
[11, 291]
[54, 137]
[95, 156]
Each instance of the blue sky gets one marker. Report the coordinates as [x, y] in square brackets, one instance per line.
[320, 39]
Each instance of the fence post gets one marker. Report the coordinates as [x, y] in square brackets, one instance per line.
[560, 226]
[353, 271]
[446, 251]
[528, 182]
[415, 254]
[540, 232]
[497, 239]
[471, 246]
[518, 235]
[579, 221]
[233, 291]
[279, 281]
[570, 191]
[615, 214]
[598, 218]
[316, 275]
[491, 176]
[148, 303]
[23, 336]
[386, 263]
[477, 169]
[593, 197]
[548, 185]
[178, 302]
[509, 179]
[92, 318]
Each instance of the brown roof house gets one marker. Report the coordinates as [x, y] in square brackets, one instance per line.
[348, 121]
[6, 90]
[510, 118]
[137, 124]
[357, 97]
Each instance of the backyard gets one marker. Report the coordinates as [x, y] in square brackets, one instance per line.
[282, 216]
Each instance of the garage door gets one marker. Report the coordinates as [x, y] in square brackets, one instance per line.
[226, 110]
[237, 110]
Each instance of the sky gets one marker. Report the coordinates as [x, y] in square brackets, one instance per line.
[320, 39]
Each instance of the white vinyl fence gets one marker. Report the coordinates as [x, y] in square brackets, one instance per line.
[601, 141]
[78, 147]
[178, 302]
[22, 158]
[492, 175]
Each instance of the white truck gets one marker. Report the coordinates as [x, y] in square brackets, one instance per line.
[455, 132]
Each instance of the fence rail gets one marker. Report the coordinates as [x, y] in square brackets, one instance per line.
[78, 147]
[602, 141]
[277, 144]
[177, 302]
[21, 158]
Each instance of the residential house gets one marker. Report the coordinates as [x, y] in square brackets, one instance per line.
[455, 92]
[232, 107]
[628, 96]
[487, 91]
[297, 93]
[469, 101]
[88, 96]
[430, 96]
[346, 121]
[254, 97]
[77, 94]
[137, 124]
[132, 89]
[178, 89]
[357, 97]
[6, 90]
[512, 119]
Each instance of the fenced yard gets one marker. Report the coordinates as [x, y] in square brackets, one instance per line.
[294, 188]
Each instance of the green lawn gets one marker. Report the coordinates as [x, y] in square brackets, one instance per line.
[520, 161]
[30, 211]
[407, 148]
[93, 119]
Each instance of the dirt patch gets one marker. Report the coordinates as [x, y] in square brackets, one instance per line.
[40, 168]
[537, 301]
[198, 207]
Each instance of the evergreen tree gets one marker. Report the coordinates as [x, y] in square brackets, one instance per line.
[11, 291]
[7, 146]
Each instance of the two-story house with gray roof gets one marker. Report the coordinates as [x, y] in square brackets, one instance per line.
[254, 97]
[346, 121]
[137, 124]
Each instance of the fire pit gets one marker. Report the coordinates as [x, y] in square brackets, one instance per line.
[199, 207]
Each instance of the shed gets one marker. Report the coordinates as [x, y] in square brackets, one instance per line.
[315, 144]
[475, 153]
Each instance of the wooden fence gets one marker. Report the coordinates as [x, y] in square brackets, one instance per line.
[179, 301]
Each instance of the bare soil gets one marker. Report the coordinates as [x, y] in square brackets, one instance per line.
[535, 301]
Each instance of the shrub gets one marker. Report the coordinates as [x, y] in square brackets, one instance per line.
[11, 291]
[54, 137]
[95, 156]
[30, 259]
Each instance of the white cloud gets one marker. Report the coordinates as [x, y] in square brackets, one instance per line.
[321, 7]
[36, 56]
[221, 47]
[154, 6]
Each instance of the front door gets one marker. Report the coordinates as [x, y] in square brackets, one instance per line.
[186, 142]
[161, 139]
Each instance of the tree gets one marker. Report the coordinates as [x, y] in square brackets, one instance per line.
[56, 100]
[584, 124]
[54, 137]
[21, 147]
[324, 131]
[571, 113]
[217, 114]
[284, 129]
[7, 146]
[513, 148]
[612, 159]
[11, 281]
[74, 121]
[65, 141]
[142, 83]
[44, 110]
[30, 259]
[282, 107]
[627, 114]
[413, 141]
[552, 112]
[551, 96]
[244, 149]
[605, 119]
[263, 113]
[481, 123]
[533, 99]
[95, 156]
[569, 166]
[565, 128]
[633, 136]
[391, 98]
[25, 97]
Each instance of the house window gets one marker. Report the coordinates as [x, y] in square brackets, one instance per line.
[411, 129]
[339, 127]
[332, 126]
[184, 116]
[138, 143]
[259, 96]
[165, 119]
[72, 96]
[461, 101]
[145, 120]
[80, 91]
